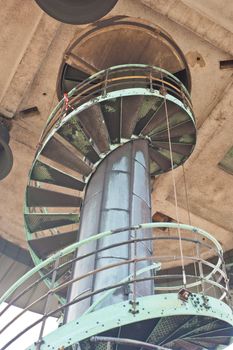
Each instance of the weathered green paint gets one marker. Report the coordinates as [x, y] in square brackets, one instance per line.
[116, 315]
[74, 246]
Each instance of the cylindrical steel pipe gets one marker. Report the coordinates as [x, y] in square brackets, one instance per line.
[118, 195]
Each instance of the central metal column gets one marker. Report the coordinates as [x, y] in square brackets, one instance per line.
[118, 195]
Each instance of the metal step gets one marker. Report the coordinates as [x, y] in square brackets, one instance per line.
[186, 127]
[226, 331]
[39, 197]
[159, 118]
[149, 111]
[112, 112]
[213, 341]
[203, 344]
[45, 246]
[190, 325]
[181, 344]
[181, 148]
[180, 322]
[45, 173]
[70, 78]
[93, 123]
[130, 114]
[208, 327]
[163, 162]
[58, 152]
[39, 222]
[73, 133]
[137, 332]
[164, 327]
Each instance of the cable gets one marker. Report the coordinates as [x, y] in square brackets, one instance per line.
[173, 181]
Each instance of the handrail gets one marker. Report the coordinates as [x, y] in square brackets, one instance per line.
[215, 278]
[112, 69]
[79, 92]
[76, 245]
[133, 240]
[76, 300]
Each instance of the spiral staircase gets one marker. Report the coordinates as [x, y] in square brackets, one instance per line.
[129, 105]
[104, 113]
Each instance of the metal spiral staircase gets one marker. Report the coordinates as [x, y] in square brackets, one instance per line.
[187, 306]
[114, 107]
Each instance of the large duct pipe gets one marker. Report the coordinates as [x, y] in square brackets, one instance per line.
[118, 195]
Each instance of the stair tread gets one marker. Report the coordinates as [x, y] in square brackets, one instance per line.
[164, 327]
[163, 162]
[45, 246]
[191, 324]
[209, 326]
[61, 154]
[159, 118]
[216, 340]
[181, 148]
[130, 114]
[73, 133]
[186, 127]
[226, 331]
[148, 111]
[40, 197]
[91, 120]
[112, 112]
[40, 222]
[45, 173]
[181, 344]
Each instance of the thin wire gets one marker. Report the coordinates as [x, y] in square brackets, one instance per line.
[174, 182]
[189, 220]
[186, 195]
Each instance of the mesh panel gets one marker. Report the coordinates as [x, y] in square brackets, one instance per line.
[210, 326]
[165, 327]
[103, 346]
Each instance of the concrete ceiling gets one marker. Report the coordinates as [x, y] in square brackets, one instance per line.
[32, 46]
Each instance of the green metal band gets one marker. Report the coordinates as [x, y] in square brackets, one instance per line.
[110, 96]
[116, 315]
[100, 73]
[76, 245]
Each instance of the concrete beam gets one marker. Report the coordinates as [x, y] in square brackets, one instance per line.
[167, 208]
[194, 21]
[33, 56]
